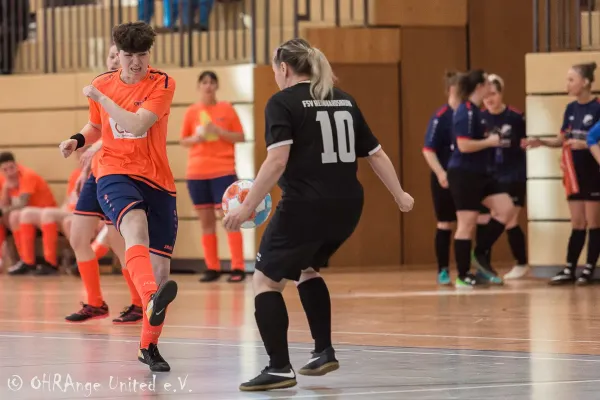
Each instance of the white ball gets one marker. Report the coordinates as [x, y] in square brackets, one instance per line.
[234, 197]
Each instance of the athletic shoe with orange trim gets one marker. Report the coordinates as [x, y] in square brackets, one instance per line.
[130, 315]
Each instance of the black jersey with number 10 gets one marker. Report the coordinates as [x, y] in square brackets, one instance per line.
[326, 137]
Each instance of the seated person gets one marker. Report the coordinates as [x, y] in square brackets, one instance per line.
[50, 220]
[20, 187]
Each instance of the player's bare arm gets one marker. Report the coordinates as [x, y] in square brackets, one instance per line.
[383, 167]
[268, 175]
[90, 133]
[136, 123]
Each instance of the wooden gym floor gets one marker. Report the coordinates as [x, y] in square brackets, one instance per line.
[397, 335]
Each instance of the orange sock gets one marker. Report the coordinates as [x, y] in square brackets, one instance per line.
[27, 237]
[211, 257]
[150, 334]
[17, 238]
[137, 259]
[236, 247]
[99, 249]
[90, 275]
[50, 241]
[136, 300]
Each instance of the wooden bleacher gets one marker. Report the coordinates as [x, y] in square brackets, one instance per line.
[82, 33]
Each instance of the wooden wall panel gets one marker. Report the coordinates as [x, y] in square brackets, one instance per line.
[546, 73]
[547, 243]
[377, 238]
[412, 13]
[357, 45]
[547, 200]
[427, 53]
[500, 35]
[545, 114]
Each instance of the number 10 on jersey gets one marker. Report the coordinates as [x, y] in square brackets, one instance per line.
[344, 127]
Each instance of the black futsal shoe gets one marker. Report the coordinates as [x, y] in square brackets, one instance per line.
[320, 363]
[564, 277]
[152, 358]
[271, 378]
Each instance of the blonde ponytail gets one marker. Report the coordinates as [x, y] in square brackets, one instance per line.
[310, 62]
[322, 78]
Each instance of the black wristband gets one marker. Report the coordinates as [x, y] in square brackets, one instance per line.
[80, 140]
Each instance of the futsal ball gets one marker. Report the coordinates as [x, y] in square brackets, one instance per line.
[234, 197]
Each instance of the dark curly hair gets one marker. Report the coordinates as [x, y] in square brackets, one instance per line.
[134, 37]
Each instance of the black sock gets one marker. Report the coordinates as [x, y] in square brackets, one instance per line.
[442, 248]
[462, 253]
[272, 320]
[516, 240]
[479, 235]
[576, 242]
[492, 232]
[593, 251]
[314, 296]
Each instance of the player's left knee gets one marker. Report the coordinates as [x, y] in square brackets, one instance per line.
[263, 283]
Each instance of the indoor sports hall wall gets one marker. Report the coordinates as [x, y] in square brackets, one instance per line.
[38, 111]
[426, 38]
[549, 222]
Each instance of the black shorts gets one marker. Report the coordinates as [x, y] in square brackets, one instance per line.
[589, 189]
[442, 202]
[470, 188]
[517, 192]
[304, 234]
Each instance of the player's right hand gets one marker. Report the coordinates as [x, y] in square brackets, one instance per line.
[494, 140]
[405, 202]
[67, 147]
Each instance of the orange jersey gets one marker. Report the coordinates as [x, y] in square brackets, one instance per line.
[94, 164]
[215, 157]
[143, 157]
[34, 185]
[71, 198]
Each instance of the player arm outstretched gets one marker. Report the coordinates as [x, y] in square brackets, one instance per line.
[383, 167]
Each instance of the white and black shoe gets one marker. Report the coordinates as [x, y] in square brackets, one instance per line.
[564, 277]
[271, 378]
[320, 363]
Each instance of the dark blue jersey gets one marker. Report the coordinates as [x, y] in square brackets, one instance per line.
[578, 120]
[509, 159]
[468, 124]
[438, 138]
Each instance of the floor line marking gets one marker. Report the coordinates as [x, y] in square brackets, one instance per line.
[260, 346]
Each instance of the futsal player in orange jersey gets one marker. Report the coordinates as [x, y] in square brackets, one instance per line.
[21, 187]
[82, 227]
[49, 220]
[129, 108]
[210, 130]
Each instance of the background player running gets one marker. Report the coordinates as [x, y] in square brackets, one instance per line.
[472, 183]
[83, 228]
[210, 129]
[437, 150]
[510, 165]
[129, 108]
[314, 135]
[581, 174]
